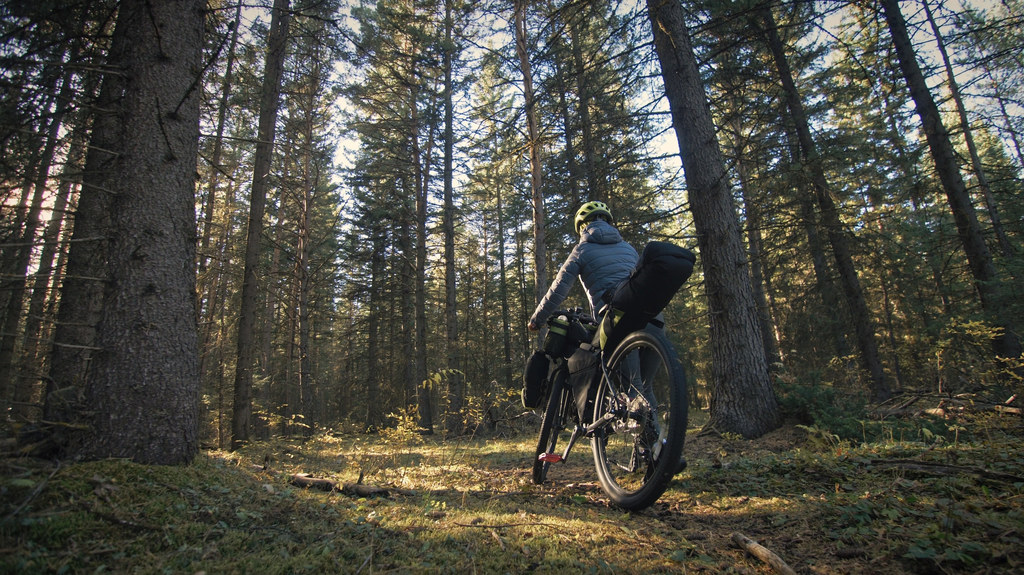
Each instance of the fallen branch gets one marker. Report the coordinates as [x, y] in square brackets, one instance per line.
[35, 493]
[1007, 409]
[945, 406]
[507, 525]
[762, 553]
[947, 469]
[307, 481]
[354, 489]
[118, 520]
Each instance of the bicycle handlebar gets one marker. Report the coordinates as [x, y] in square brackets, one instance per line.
[571, 314]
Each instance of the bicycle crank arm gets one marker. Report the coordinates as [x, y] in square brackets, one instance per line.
[572, 441]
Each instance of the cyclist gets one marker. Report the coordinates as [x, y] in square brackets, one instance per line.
[601, 260]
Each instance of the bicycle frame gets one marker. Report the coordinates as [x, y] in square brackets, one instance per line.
[567, 409]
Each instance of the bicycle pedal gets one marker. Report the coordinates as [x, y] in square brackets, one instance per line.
[550, 457]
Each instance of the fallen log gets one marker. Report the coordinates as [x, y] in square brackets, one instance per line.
[762, 553]
[305, 480]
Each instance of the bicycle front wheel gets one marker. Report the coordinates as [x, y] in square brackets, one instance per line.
[642, 402]
[553, 424]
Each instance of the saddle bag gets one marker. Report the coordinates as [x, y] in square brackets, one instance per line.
[663, 269]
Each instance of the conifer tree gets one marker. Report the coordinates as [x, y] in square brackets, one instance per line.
[742, 400]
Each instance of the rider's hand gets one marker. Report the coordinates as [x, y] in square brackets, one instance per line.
[532, 326]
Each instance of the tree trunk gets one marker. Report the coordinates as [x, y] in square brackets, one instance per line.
[374, 414]
[86, 276]
[304, 287]
[987, 282]
[595, 190]
[218, 145]
[832, 319]
[421, 175]
[568, 136]
[407, 305]
[755, 248]
[742, 400]
[142, 391]
[269, 103]
[26, 388]
[997, 91]
[506, 327]
[540, 277]
[972, 149]
[859, 313]
[35, 349]
[263, 339]
[456, 391]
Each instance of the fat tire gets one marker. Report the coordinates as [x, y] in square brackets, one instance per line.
[656, 479]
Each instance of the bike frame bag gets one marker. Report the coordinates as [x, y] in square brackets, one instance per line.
[584, 373]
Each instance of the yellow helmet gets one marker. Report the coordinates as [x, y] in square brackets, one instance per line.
[589, 211]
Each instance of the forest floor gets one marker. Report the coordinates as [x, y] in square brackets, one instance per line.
[920, 504]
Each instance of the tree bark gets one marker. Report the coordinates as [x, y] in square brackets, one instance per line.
[506, 324]
[269, 104]
[35, 348]
[142, 390]
[595, 190]
[755, 244]
[86, 275]
[742, 400]
[218, 144]
[986, 280]
[421, 160]
[26, 386]
[407, 305]
[374, 415]
[572, 168]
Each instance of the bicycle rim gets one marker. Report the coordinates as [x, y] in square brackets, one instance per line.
[550, 427]
[639, 451]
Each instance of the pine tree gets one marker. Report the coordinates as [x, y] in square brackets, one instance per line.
[989, 285]
[742, 400]
[269, 104]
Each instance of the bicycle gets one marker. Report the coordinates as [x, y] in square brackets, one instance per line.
[634, 412]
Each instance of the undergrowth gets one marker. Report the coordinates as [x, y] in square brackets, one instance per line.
[824, 502]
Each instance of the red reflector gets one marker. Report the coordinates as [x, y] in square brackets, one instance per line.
[550, 457]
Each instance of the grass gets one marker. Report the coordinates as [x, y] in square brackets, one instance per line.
[468, 506]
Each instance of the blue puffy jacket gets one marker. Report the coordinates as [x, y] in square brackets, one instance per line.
[601, 260]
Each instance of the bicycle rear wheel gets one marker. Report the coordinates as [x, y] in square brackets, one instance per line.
[553, 424]
[642, 398]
